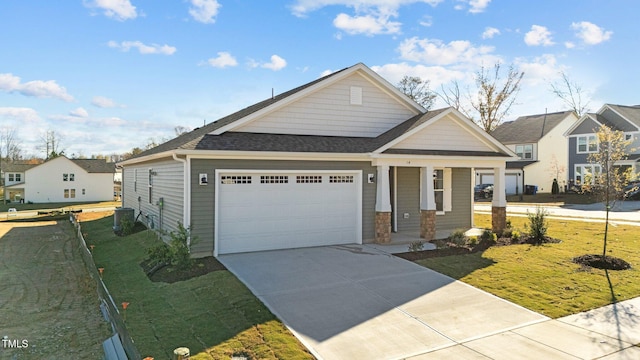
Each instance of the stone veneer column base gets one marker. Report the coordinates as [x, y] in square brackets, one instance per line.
[428, 224]
[383, 227]
[498, 219]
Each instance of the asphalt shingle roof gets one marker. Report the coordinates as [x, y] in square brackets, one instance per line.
[631, 113]
[528, 129]
[95, 165]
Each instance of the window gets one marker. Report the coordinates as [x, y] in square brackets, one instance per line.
[72, 177]
[11, 177]
[150, 185]
[524, 152]
[83, 192]
[585, 173]
[587, 144]
[73, 193]
[18, 177]
[66, 193]
[274, 179]
[235, 179]
[438, 188]
[65, 177]
[307, 179]
[341, 178]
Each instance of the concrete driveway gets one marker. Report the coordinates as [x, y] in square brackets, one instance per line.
[357, 302]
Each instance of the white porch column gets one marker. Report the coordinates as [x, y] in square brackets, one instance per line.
[499, 189]
[383, 206]
[428, 199]
[383, 195]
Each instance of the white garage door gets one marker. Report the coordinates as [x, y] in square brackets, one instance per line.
[511, 181]
[277, 210]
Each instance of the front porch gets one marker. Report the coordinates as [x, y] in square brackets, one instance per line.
[423, 201]
[400, 241]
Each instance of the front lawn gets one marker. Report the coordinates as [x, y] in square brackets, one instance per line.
[214, 315]
[543, 278]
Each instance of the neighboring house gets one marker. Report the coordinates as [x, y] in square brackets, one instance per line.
[14, 175]
[344, 159]
[583, 140]
[63, 180]
[540, 144]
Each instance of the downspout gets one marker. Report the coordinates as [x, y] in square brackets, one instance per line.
[186, 211]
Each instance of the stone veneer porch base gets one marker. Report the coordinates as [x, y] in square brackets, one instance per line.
[383, 227]
[428, 224]
[498, 219]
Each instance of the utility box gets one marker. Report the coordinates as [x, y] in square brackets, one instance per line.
[119, 214]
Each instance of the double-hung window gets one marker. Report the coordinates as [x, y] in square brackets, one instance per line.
[525, 152]
[587, 144]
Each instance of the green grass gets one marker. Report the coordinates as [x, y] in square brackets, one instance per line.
[543, 278]
[214, 315]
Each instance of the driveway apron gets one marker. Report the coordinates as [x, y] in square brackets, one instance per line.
[356, 302]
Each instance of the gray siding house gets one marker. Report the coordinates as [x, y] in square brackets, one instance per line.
[344, 159]
[583, 140]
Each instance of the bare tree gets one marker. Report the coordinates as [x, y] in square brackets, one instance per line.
[52, 144]
[556, 169]
[611, 179]
[452, 96]
[571, 93]
[8, 145]
[179, 130]
[417, 90]
[495, 95]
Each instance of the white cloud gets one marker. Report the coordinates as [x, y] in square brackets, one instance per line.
[569, 45]
[79, 112]
[143, 48]
[591, 34]
[475, 6]
[435, 52]
[302, 7]
[426, 21]
[103, 102]
[540, 70]
[204, 11]
[21, 114]
[437, 75]
[117, 9]
[538, 35]
[277, 63]
[368, 24]
[223, 60]
[478, 6]
[37, 88]
[490, 32]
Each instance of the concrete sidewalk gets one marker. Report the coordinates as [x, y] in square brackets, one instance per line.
[359, 302]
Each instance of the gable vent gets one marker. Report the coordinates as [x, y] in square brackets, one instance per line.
[356, 95]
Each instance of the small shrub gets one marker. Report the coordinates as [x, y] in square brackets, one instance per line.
[180, 248]
[458, 237]
[537, 226]
[159, 254]
[416, 246]
[473, 241]
[488, 236]
[515, 236]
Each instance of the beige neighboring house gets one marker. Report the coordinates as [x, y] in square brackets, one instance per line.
[539, 142]
[61, 180]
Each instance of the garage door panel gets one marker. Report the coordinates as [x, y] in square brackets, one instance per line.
[297, 210]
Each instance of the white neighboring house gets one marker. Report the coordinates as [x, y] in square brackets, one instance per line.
[539, 142]
[64, 180]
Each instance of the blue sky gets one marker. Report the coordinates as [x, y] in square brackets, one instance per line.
[108, 75]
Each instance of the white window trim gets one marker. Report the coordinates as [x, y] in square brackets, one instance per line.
[446, 189]
[524, 152]
[587, 144]
[584, 166]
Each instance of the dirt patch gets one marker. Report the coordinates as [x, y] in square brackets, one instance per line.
[171, 274]
[599, 262]
[48, 301]
[89, 216]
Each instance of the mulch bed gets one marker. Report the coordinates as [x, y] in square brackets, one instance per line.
[599, 262]
[170, 274]
[450, 249]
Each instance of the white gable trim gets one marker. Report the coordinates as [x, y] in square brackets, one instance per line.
[369, 74]
[461, 120]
